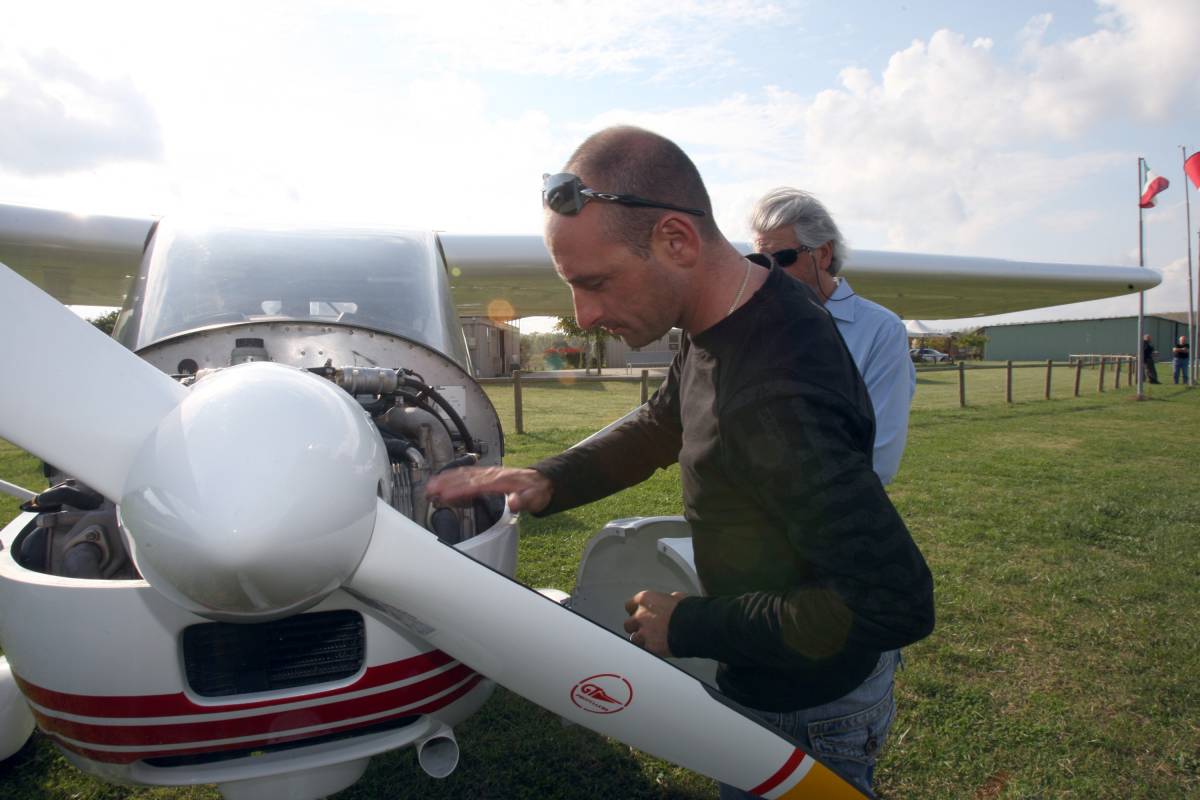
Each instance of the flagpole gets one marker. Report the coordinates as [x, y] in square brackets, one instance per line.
[1188, 375]
[1137, 352]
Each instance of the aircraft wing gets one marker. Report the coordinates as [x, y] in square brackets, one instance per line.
[493, 273]
[90, 260]
[79, 260]
[921, 286]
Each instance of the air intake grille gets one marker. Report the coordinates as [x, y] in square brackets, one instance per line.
[225, 659]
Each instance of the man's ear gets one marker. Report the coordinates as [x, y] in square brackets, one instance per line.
[677, 240]
[824, 256]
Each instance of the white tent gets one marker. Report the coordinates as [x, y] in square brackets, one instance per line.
[918, 329]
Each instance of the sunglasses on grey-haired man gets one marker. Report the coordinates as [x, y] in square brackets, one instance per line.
[784, 258]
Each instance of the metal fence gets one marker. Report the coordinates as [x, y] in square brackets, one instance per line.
[1114, 365]
[1102, 372]
[517, 380]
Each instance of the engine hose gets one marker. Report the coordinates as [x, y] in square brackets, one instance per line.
[436, 396]
[467, 460]
[397, 446]
[375, 407]
[69, 493]
[416, 402]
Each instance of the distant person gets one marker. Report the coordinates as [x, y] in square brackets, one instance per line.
[1148, 353]
[1180, 360]
[795, 229]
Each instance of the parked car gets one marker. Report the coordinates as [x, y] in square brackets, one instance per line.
[928, 354]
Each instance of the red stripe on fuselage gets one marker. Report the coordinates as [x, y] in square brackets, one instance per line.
[268, 722]
[779, 777]
[179, 704]
[128, 757]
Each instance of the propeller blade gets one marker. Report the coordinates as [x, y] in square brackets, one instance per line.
[73, 396]
[573, 667]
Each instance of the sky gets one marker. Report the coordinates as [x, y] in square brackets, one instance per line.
[1005, 130]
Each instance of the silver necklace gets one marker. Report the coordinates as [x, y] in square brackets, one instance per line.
[741, 289]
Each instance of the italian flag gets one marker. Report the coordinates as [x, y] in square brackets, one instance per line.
[1154, 184]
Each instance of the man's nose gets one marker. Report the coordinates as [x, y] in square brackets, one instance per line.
[587, 312]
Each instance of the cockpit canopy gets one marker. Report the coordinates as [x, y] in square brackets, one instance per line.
[197, 277]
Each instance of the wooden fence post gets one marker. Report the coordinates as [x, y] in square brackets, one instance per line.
[1117, 374]
[962, 385]
[1100, 381]
[1078, 373]
[517, 412]
[1049, 364]
[1131, 380]
[1008, 381]
[645, 385]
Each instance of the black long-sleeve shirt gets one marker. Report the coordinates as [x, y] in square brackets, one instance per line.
[809, 572]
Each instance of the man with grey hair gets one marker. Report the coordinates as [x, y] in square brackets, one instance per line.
[803, 239]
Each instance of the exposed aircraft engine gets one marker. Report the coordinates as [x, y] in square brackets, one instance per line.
[370, 314]
[424, 435]
[77, 534]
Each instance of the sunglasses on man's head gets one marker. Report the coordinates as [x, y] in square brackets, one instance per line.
[565, 193]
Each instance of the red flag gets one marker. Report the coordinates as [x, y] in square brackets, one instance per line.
[1154, 184]
[1191, 168]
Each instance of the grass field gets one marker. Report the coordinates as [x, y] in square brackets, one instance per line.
[1064, 538]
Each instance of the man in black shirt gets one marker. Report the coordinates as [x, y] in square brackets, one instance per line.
[1148, 352]
[1179, 355]
[811, 579]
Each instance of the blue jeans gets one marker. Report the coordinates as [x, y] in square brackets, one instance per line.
[846, 734]
[1180, 374]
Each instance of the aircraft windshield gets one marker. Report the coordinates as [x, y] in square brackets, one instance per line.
[390, 281]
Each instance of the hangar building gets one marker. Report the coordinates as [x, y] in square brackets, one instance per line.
[1038, 341]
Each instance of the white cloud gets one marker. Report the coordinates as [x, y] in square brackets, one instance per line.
[949, 146]
[311, 109]
[573, 38]
[1139, 63]
[381, 112]
[59, 118]
[950, 143]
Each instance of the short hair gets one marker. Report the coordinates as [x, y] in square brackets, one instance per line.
[809, 219]
[629, 160]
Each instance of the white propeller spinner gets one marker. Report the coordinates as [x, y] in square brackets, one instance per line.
[255, 496]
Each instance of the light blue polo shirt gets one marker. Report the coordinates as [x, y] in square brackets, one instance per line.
[878, 343]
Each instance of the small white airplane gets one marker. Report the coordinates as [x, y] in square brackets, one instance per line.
[236, 578]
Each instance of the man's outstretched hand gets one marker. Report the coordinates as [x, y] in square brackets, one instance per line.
[527, 489]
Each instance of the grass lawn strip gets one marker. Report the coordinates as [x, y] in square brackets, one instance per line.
[1063, 540]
